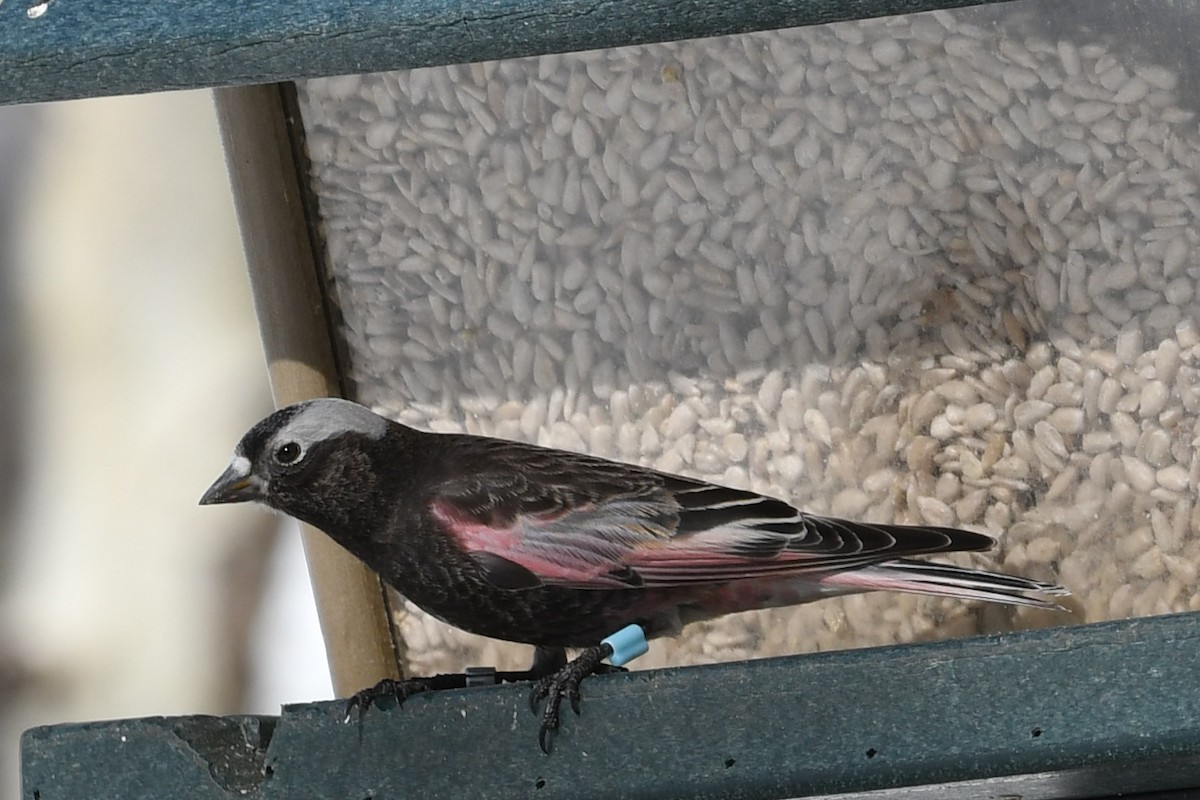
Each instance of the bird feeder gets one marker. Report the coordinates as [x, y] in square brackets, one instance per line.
[936, 267]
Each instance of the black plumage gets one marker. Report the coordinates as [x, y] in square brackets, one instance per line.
[559, 549]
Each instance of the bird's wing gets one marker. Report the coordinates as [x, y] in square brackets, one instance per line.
[568, 520]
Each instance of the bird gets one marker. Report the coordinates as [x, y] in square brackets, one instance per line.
[559, 549]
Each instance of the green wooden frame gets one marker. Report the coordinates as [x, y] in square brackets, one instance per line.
[1093, 711]
[89, 48]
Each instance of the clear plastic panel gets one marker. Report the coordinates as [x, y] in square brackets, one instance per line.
[938, 268]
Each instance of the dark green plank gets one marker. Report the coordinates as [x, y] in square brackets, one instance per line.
[83, 48]
[190, 758]
[1088, 711]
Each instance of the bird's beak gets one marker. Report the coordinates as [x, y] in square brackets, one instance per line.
[236, 485]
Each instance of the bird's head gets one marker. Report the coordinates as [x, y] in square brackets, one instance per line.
[311, 460]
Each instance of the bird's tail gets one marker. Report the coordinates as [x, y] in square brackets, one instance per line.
[946, 580]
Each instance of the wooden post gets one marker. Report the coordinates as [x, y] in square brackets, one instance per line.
[351, 601]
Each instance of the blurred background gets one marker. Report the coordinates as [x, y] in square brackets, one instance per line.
[130, 364]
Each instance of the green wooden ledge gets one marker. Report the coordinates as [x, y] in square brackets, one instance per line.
[1087, 711]
[85, 48]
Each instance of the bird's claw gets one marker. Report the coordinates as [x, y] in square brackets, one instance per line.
[388, 687]
[561, 683]
[552, 689]
[564, 683]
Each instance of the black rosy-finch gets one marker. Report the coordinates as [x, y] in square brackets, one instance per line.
[559, 550]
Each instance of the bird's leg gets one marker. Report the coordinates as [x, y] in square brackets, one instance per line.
[546, 661]
[554, 678]
[564, 682]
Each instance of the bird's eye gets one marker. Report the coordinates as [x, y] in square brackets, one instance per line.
[287, 453]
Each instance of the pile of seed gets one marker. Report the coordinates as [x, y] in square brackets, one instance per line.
[914, 269]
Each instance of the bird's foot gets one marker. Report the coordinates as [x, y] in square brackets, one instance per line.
[399, 691]
[546, 661]
[564, 683]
